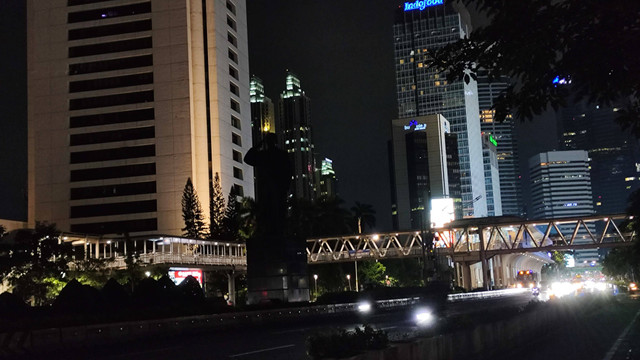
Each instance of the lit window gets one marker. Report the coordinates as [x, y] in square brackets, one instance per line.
[401, 61]
[420, 65]
[437, 83]
[629, 179]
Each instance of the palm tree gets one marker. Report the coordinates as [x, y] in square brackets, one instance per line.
[363, 213]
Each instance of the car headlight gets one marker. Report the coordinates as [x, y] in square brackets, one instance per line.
[424, 317]
[364, 307]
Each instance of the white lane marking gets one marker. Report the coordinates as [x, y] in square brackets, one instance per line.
[615, 346]
[263, 350]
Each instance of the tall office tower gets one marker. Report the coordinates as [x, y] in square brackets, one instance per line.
[262, 111]
[294, 125]
[560, 188]
[614, 153]
[453, 172]
[128, 99]
[491, 175]
[504, 134]
[327, 182]
[422, 91]
[420, 172]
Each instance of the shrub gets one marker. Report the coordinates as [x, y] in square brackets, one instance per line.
[341, 343]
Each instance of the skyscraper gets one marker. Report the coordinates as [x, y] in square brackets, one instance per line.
[560, 188]
[294, 126]
[614, 153]
[491, 175]
[327, 181]
[420, 172]
[128, 99]
[422, 91]
[262, 111]
[504, 133]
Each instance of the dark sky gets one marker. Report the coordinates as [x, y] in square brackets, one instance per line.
[13, 111]
[342, 51]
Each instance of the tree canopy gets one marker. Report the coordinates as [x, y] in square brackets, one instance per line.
[540, 44]
[217, 209]
[194, 226]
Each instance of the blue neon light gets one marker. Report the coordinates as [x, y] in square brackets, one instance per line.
[421, 4]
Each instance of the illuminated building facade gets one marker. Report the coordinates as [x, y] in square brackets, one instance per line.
[560, 188]
[614, 153]
[422, 91]
[327, 181]
[491, 175]
[126, 100]
[263, 119]
[294, 126]
[420, 172]
[504, 133]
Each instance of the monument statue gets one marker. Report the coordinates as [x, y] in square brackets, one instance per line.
[273, 178]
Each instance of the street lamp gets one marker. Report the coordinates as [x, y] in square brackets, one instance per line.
[349, 279]
[315, 279]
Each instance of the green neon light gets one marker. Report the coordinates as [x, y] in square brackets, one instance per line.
[492, 140]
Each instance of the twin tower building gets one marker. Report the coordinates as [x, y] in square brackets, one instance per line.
[129, 98]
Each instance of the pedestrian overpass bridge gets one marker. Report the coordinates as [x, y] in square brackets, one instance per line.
[496, 247]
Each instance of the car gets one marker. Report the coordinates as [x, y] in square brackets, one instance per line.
[633, 288]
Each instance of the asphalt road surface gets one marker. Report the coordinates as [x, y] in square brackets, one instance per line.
[273, 341]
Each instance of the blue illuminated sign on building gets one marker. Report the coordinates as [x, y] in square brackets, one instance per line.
[421, 4]
[415, 125]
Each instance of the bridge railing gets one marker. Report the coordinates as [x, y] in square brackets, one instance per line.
[467, 236]
[179, 259]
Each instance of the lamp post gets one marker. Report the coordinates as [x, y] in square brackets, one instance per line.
[315, 280]
[349, 279]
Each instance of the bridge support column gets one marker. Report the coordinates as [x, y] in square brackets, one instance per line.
[464, 272]
[231, 278]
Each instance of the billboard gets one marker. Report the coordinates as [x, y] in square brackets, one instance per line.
[179, 274]
[442, 212]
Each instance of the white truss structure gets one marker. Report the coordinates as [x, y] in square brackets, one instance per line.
[483, 237]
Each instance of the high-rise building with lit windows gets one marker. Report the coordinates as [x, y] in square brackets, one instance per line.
[294, 127]
[561, 188]
[421, 90]
[327, 181]
[504, 134]
[263, 119]
[126, 100]
[614, 153]
[491, 175]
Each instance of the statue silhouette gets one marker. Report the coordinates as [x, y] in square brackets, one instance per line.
[273, 177]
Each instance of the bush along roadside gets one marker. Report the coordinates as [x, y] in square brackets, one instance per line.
[340, 343]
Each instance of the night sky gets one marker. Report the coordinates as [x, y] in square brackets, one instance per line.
[342, 51]
[13, 111]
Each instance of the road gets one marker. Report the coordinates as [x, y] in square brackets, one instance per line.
[269, 340]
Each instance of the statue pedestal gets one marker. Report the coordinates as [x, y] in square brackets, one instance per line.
[276, 271]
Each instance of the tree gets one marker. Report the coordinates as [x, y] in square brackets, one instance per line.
[363, 214]
[371, 273]
[590, 44]
[217, 209]
[619, 264]
[36, 263]
[231, 219]
[194, 226]
[248, 218]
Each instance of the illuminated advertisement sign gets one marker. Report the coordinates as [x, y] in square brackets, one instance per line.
[415, 125]
[179, 274]
[421, 4]
[492, 140]
[442, 212]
